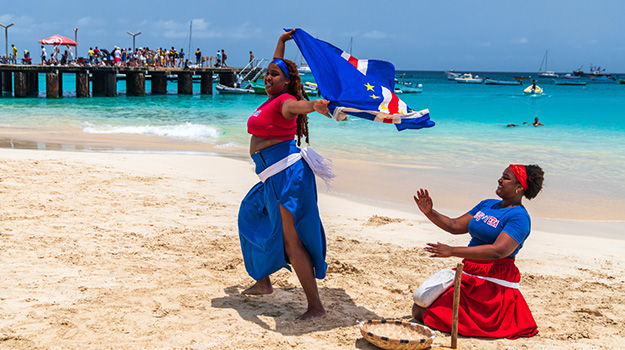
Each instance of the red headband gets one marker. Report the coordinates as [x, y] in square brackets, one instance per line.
[521, 175]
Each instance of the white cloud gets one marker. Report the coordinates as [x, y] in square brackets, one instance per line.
[521, 41]
[375, 35]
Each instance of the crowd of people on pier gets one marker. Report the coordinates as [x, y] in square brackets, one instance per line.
[120, 57]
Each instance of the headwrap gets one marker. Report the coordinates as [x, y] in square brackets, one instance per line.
[520, 173]
[283, 67]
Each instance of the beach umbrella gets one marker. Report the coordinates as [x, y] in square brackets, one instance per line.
[58, 40]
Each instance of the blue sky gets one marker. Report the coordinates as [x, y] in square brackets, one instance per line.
[465, 35]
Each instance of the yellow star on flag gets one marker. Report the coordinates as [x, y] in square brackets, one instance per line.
[369, 87]
[374, 96]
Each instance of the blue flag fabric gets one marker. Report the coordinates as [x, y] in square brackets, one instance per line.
[362, 88]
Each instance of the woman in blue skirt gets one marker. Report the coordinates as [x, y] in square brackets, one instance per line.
[279, 220]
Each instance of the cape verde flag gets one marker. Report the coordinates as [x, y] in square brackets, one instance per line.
[362, 88]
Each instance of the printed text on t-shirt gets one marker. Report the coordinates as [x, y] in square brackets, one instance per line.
[489, 220]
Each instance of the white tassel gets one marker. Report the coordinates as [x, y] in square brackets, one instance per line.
[322, 167]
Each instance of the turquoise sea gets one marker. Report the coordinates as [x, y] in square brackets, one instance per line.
[581, 146]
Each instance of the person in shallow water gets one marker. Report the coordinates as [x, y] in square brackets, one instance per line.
[491, 304]
[279, 221]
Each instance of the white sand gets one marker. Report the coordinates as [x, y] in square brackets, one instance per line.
[141, 251]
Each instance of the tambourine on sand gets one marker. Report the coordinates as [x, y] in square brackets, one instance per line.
[395, 335]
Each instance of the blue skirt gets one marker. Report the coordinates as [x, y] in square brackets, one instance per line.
[260, 223]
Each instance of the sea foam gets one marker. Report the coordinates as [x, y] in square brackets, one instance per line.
[187, 131]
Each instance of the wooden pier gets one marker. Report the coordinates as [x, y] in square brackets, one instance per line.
[23, 80]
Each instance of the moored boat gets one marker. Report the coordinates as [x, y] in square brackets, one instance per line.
[602, 79]
[451, 75]
[522, 77]
[501, 82]
[595, 71]
[468, 78]
[223, 89]
[546, 73]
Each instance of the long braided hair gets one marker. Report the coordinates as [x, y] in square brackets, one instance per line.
[296, 88]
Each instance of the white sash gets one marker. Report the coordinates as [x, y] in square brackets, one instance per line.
[322, 167]
[512, 285]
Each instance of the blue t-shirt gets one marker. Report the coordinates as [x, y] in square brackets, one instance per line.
[489, 220]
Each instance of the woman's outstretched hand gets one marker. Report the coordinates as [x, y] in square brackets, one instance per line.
[286, 36]
[321, 107]
[439, 250]
[424, 201]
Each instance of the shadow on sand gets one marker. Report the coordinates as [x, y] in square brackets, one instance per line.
[285, 304]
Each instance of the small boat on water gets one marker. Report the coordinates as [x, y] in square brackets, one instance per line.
[223, 89]
[522, 77]
[546, 73]
[488, 81]
[595, 71]
[621, 81]
[569, 76]
[451, 75]
[409, 89]
[533, 89]
[468, 78]
[602, 79]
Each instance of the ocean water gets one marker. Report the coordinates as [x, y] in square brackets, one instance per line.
[581, 146]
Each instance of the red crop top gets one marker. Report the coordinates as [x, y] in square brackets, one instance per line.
[267, 121]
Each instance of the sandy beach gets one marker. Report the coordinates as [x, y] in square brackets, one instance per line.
[141, 251]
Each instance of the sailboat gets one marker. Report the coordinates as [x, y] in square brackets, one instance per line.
[546, 73]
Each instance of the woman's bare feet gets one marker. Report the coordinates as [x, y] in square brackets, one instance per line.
[312, 314]
[262, 286]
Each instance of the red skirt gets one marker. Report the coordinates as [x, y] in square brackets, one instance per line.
[486, 309]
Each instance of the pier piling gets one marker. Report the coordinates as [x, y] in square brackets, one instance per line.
[135, 84]
[159, 83]
[206, 83]
[185, 83]
[82, 84]
[33, 84]
[52, 85]
[110, 84]
[21, 84]
[7, 81]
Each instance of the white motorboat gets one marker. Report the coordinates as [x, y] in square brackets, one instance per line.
[223, 89]
[451, 75]
[468, 78]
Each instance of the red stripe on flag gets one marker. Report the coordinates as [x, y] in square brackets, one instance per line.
[353, 60]
[393, 105]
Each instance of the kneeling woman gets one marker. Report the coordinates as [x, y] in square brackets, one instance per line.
[491, 304]
[279, 219]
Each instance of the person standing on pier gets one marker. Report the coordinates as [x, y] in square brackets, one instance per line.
[55, 52]
[198, 55]
[218, 59]
[223, 58]
[71, 54]
[44, 55]
[181, 58]
[14, 56]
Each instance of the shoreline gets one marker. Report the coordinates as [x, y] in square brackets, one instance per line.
[454, 190]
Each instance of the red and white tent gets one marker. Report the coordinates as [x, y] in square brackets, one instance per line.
[58, 40]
